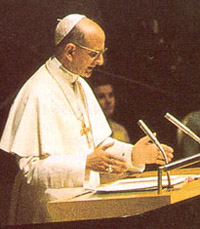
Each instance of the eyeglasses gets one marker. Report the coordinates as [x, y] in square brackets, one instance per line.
[94, 54]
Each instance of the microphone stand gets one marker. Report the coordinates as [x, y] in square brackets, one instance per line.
[182, 162]
[175, 165]
[172, 165]
[153, 138]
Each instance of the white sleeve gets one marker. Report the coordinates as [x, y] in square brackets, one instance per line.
[55, 171]
[124, 150]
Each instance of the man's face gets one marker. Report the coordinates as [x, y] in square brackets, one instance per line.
[106, 98]
[87, 57]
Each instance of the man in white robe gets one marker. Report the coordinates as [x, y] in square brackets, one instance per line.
[57, 130]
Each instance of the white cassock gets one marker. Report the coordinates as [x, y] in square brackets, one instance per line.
[54, 123]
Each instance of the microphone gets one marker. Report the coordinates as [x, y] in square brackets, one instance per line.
[182, 127]
[153, 138]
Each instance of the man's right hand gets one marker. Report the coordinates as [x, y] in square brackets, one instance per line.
[101, 161]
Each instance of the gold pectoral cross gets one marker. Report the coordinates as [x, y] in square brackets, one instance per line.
[85, 131]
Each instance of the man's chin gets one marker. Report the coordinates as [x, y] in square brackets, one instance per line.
[87, 74]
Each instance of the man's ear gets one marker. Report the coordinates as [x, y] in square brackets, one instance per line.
[69, 51]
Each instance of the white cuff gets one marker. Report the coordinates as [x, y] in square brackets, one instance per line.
[124, 150]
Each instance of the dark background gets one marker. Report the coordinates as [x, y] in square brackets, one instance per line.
[161, 67]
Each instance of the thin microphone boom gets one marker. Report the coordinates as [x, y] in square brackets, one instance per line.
[182, 127]
[153, 138]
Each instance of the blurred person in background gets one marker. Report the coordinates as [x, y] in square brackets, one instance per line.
[104, 91]
[187, 146]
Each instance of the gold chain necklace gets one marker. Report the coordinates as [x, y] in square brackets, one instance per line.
[84, 129]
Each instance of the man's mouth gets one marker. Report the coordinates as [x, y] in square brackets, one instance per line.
[90, 69]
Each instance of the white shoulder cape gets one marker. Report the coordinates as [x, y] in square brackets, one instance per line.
[41, 120]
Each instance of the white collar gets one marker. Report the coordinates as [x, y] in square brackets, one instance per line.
[58, 69]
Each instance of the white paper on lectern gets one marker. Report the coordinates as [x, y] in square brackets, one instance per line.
[139, 184]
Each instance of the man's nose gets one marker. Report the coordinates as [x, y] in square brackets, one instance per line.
[100, 60]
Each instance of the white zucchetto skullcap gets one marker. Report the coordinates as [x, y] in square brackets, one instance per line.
[65, 25]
